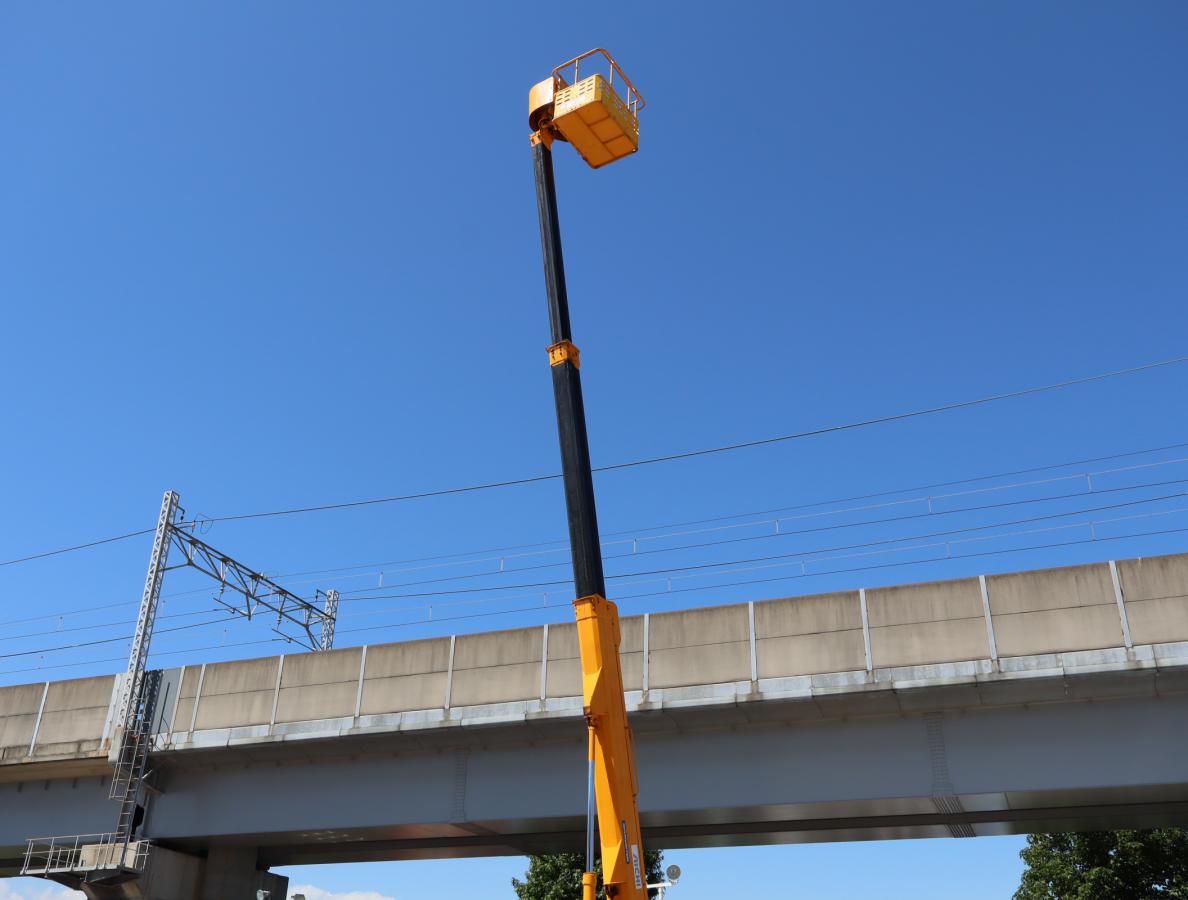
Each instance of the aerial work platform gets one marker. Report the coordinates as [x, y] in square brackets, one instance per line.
[589, 112]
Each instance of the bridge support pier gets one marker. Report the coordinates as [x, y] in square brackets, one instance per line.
[227, 873]
[232, 872]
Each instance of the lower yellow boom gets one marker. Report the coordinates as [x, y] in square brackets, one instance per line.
[612, 753]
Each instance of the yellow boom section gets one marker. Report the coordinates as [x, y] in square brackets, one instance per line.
[612, 752]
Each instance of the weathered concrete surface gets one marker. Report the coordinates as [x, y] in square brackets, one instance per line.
[1055, 610]
[1032, 614]
[1156, 592]
[699, 646]
[225, 873]
[169, 876]
[764, 773]
[809, 635]
[233, 871]
[841, 673]
[927, 623]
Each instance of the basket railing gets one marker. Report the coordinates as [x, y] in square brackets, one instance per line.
[634, 99]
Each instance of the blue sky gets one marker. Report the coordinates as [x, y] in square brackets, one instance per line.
[286, 254]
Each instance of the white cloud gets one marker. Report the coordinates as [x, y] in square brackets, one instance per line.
[31, 890]
[316, 893]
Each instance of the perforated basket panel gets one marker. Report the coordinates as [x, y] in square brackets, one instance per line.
[594, 118]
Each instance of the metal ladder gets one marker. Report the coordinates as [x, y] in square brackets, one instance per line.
[133, 756]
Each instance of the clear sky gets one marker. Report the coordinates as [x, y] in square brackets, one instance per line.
[281, 254]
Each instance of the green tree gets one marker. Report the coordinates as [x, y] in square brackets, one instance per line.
[558, 876]
[1106, 865]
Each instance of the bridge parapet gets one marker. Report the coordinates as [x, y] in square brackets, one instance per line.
[981, 640]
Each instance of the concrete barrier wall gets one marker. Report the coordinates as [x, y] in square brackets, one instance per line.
[563, 677]
[235, 694]
[19, 706]
[318, 685]
[921, 624]
[405, 677]
[74, 716]
[1093, 607]
[497, 667]
[55, 719]
[1055, 610]
[700, 646]
[809, 635]
[1156, 592]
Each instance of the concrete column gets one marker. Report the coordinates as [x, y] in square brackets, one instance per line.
[169, 876]
[231, 873]
[227, 873]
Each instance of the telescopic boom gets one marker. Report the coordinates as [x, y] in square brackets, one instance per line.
[603, 127]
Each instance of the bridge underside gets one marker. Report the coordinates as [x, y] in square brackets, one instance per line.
[1099, 753]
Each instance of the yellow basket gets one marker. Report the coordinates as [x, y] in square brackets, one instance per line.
[594, 118]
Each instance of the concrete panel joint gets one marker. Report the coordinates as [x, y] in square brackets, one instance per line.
[197, 698]
[865, 629]
[544, 662]
[989, 619]
[751, 635]
[450, 672]
[647, 622]
[181, 680]
[359, 690]
[1121, 604]
[113, 702]
[37, 722]
[280, 671]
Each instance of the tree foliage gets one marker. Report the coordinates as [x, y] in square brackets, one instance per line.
[558, 876]
[1106, 865]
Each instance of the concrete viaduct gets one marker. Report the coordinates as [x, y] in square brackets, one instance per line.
[1043, 700]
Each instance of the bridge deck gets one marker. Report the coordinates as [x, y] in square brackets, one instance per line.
[849, 672]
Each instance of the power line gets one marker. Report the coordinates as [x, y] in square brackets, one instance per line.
[114, 640]
[102, 606]
[672, 457]
[919, 487]
[783, 578]
[897, 417]
[817, 558]
[725, 448]
[457, 558]
[746, 582]
[155, 654]
[671, 571]
[784, 534]
[546, 584]
[918, 562]
[124, 623]
[89, 544]
[468, 560]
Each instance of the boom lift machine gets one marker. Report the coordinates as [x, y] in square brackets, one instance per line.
[599, 116]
